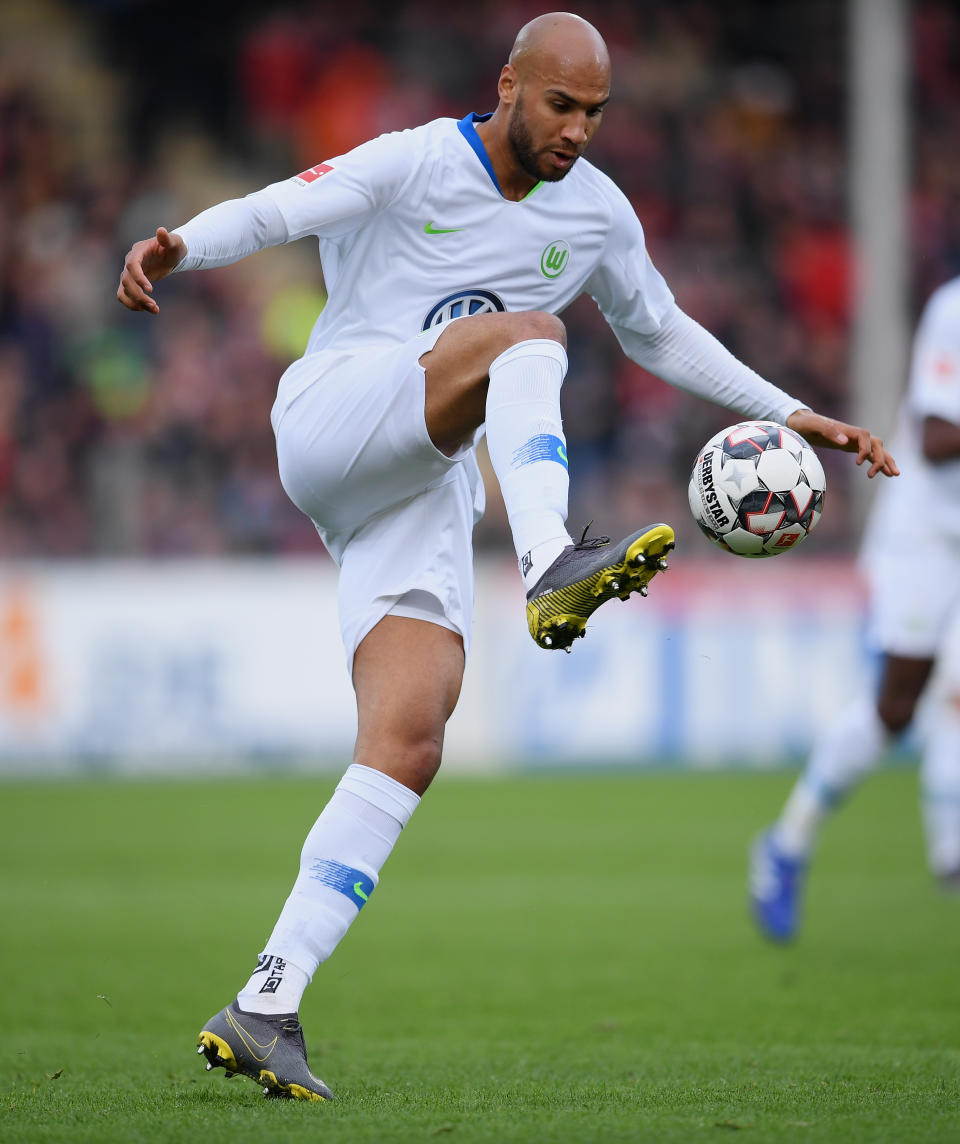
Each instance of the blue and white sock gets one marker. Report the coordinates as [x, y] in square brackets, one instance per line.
[528, 450]
[840, 758]
[339, 869]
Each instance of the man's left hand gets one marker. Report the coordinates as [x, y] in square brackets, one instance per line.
[832, 434]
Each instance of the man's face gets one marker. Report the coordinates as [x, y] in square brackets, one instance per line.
[551, 123]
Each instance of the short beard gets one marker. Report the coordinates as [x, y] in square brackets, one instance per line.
[518, 135]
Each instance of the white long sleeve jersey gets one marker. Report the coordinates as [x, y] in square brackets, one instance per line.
[414, 232]
[925, 500]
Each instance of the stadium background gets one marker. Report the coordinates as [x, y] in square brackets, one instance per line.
[552, 958]
[163, 606]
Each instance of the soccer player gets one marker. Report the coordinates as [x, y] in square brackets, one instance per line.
[915, 519]
[447, 250]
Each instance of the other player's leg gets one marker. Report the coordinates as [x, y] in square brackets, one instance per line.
[940, 762]
[507, 370]
[940, 766]
[407, 675]
[840, 759]
[940, 792]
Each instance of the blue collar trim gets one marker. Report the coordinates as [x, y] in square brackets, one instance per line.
[469, 132]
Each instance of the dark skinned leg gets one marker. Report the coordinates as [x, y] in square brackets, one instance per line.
[407, 675]
[457, 369]
[901, 684]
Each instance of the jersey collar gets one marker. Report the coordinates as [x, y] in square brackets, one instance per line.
[468, 130]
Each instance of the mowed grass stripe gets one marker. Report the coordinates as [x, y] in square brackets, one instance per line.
[546, 959]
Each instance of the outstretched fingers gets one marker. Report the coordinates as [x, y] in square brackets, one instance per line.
[146, 262]
[826, 431]
[869, 448]
[135, 286]
[881, 461]
[139, 276]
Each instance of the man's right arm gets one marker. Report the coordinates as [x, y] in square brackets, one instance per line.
[330, 200]
[147, 262]
[215, 237]
[231, 231]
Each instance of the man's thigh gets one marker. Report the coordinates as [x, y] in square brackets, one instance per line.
[413, 559]
[354, 441]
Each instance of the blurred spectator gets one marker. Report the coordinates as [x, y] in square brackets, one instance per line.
[120, 435]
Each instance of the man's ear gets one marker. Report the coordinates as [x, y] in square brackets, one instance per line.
[507, 86]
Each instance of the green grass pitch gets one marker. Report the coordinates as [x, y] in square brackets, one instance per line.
[547, 959]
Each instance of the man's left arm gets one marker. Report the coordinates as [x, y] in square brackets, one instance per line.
[656, 334]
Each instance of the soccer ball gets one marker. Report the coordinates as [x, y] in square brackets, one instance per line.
[757, 489]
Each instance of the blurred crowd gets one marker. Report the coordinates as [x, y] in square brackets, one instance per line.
[122, 434]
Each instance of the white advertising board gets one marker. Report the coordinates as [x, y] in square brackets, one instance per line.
[217, 665]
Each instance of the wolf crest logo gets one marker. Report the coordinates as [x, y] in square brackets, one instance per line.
[554, 259]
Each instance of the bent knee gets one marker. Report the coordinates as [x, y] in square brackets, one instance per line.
[420, 758]
[534, 324]
[896, 712]
[411, 761]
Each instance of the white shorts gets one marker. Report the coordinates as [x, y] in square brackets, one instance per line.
[948, 662]
[395, 513]
[914, 594]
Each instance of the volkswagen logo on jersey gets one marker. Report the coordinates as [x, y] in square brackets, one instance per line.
[463, 304]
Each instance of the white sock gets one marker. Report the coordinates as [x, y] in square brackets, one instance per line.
[528, 450]
[940, 785]
[275, 986]
[839, 759]
[805, 809]
[339, 868]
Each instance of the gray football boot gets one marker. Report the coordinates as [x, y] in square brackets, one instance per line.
[586, 575]
[271, 1050]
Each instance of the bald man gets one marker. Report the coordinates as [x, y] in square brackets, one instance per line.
[448, 251]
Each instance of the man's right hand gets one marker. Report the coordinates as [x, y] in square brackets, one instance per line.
[147, 262]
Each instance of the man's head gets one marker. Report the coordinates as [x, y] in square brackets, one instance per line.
[553, 89]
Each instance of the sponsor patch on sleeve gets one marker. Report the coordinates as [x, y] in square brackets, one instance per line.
[945, 368]
[312, 174]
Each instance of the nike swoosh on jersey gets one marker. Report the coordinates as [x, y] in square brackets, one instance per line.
[244, 1035]
[431, 229]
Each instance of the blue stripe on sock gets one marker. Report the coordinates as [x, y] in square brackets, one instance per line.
[543, 447]
[353, 884]
[825, 794]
